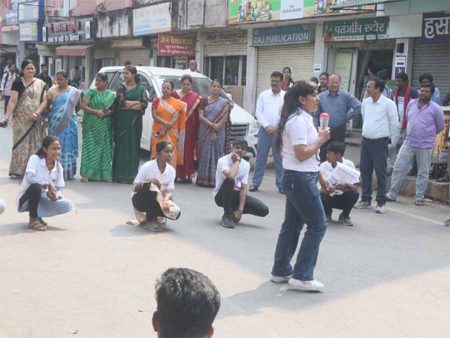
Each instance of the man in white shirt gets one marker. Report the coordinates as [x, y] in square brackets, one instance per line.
[268, 108]
[192, 67]
[231, 187]
[380, 123]
[341, 196]
[6, 83]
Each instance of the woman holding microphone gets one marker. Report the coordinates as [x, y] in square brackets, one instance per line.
[300, 143]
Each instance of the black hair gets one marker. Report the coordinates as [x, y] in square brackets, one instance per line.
[46, 142]
[287, 68]
[218, 81]
[378, 83]
[314, 79]
[11, 64]
[384, 74]
[337, 147]
[169, 82]
[25, 63]
[239, 141]
[427, 76]
[186, 77]
[290, 107]
[431, 86]
[44, 65]
[102, 76]
[402, 76]
[127, 63]
[324, 73]
[133, 70]
[277, 74]
[187, 303]
[63, 74]
[160, 146]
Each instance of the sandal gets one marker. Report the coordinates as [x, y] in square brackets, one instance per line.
[84, 180]
[42, 221]
[37, 225]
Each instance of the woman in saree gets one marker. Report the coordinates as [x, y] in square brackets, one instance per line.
[28, 101]
[62, 102]
[192, 100]
[97, 154]
[131, 102]
[213, 115]
[169, 122]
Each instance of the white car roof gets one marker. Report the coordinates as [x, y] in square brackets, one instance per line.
[157, 71]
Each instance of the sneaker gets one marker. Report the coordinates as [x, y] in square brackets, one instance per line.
[380, 209]
[305, 285]
[345, 220]
[227, 222]
[390, 197]
[419, 202]
[363, 205]
[253, 188]
[280, 279]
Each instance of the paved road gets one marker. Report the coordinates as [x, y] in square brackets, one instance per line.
[91, 275]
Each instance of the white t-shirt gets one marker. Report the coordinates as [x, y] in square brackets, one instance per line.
[38, 168]
[299, 129]
[151, 171]
[400, 107]
[225, 162]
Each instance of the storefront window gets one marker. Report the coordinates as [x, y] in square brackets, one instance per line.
[231, 70]
[216, 68]
[244, 71]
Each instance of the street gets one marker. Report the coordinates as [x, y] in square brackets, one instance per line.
[91, 275]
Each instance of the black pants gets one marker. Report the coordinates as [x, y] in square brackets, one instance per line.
[145, 200]
[228, 198]
[374, 154]
[336, 134]
[6, 98]
[344, 202]
[33, 196]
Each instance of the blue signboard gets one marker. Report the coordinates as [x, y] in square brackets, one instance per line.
[281, 35]
[11, 17]
[31, 10]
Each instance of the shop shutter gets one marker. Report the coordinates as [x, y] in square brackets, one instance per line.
[299, 57]
[138, 56]
[225, 50]
[433, 59]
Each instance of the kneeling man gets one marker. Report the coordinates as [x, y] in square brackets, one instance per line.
[232, 187]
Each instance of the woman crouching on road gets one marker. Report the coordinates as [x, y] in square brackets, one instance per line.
[152, 189]
[41, 189]
[300, 142]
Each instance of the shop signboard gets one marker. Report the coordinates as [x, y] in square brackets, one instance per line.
[29, 31]
[174, 45]
[152, 19]
[226, 38]
[281, 35]
[74, 31]
[247, 11]
[11, 17]
[436, 28]
[357, 29]
[30, 10]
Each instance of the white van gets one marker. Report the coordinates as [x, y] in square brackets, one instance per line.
[243, 124]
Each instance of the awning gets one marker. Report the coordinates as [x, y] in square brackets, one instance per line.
[72, 50]
[354, 3]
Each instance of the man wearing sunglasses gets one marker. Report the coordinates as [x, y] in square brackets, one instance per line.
[231, 191]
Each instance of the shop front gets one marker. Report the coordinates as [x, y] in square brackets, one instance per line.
[432, 51]
[174, 51]
[278, 47]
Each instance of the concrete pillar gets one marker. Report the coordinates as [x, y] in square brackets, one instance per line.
[200, 51]
[21, 53]
[88, 67]
[252, 69]
[320, 50]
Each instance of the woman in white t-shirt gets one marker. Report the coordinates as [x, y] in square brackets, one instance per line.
[300, 142]
[152, 189]
[42, 186]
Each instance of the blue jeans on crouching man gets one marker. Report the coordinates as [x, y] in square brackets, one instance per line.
[303, 205]
[265, 142]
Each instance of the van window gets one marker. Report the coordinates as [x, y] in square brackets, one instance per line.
[148, 85]
[118, 79]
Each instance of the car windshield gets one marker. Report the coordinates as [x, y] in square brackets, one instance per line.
[201, 85]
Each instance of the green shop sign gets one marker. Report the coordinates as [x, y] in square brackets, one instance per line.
[281, 35]
[357, 29]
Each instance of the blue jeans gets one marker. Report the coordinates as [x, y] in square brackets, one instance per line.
[303, 205]
[403, 163]
[265, 142]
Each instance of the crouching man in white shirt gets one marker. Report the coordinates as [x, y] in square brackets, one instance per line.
[341, 196]
[149, 203]
[231, 191]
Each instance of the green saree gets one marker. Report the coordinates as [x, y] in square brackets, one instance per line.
[127, 125]
[96, 159]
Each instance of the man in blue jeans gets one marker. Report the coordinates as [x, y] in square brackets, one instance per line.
[268, 108]
[425, 121]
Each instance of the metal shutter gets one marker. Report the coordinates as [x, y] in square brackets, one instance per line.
[226, 50]
[138, 56]
[299, 57]
[434, 59]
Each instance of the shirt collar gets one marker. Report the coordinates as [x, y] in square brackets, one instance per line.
[337, 94]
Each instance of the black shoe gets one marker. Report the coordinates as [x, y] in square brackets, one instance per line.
[345, 220]
[253, 188]
[227, 222]
[281, 191]
[444, 178]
